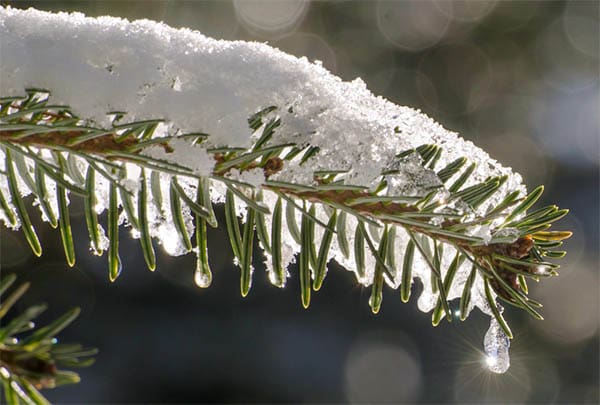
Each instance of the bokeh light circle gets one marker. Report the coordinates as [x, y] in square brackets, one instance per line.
[271, 18]
[513, 15]
[378, 371]
[544, 376]
[517, 150]
[566, 123]
[460, 74]
[215, 19]
[565, 66]
[581, 26]
[311, 46]
[583, 34]
[384, 79]
[411, 25]
[571, 307]
[427, 91]
[466, 11]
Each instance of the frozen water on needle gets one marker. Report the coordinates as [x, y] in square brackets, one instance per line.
[496, 345]
[202, 280]
[507, 235]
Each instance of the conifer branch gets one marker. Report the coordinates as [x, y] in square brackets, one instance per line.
[29, 357]
[46, 144]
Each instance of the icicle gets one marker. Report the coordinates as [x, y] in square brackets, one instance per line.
[496, 345]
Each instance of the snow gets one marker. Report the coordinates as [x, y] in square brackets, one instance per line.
[255, 177]
[184, 153]
[198, 84]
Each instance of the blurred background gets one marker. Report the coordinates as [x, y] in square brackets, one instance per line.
[520, 79]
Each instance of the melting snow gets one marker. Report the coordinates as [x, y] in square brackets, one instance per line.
[198, 84]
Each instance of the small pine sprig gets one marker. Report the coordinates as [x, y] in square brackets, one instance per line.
[518, 248]
[29, 356]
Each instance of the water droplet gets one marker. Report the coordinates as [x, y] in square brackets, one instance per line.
[202, 280]
[496, 345]
[375, 302]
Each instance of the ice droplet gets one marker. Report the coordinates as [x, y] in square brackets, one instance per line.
[202, 279]
[496, 345]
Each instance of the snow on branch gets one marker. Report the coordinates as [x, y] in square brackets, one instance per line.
[195, 83]
[155, 124]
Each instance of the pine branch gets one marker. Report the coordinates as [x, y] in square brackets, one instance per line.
[29, 362]
[328, 171]
[505, 246]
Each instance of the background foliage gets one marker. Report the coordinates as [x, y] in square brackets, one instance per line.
[518, 78]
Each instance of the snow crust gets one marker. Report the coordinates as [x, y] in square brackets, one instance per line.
[198, 84]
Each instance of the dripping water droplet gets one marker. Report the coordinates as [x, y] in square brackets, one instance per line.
[202, 280]
[496, 345]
